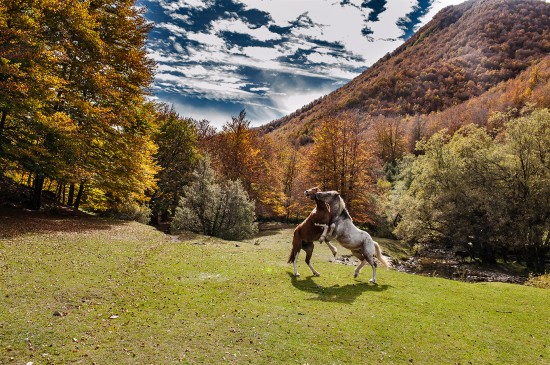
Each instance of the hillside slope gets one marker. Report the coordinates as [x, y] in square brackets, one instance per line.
[460, 54]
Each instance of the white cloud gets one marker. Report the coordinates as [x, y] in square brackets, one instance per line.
[238, 26]
[386, 27]
[182, 17]
[207, 40]
[259, 89]
[171, 5]
[295, 99]
[214, 82]
[178, 47]
[173, 28]
[262, 53]
[162, 57]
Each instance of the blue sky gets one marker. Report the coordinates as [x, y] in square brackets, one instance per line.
[270, 57]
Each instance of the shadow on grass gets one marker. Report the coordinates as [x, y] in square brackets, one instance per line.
[339, 294]
[17, 222]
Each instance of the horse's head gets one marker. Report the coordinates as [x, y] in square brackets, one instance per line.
[328, 196]
[310, 193]
[333, 199]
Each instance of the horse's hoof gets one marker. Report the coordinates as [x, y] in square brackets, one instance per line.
[355, 275]
[296, 275]
[372, 281]
[316, 274]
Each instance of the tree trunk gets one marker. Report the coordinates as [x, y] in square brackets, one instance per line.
[79, 195]
[36, 201]
[164, 215]
[536, 259]
[3, 122]
[71, 195]
[154, 219]
[58, 192]
[486, 253]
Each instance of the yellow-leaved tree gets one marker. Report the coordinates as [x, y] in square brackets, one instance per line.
[340, 160]
[241, 153]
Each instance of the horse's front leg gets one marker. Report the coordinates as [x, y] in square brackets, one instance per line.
[333, 249]
[332, 227]
[324, 238]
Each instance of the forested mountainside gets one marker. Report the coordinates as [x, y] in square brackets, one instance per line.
[460, 54]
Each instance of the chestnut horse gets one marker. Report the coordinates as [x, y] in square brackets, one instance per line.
[315, 227]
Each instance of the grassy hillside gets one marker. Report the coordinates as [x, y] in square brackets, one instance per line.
[77, 290]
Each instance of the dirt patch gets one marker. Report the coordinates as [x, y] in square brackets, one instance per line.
[352, 261]
[439, 263]
[345, 260]
[16, 222]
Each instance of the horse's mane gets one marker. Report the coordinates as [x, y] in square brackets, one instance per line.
[340, 207]
[344, 211]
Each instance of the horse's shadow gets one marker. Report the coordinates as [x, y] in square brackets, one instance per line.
[340, 294]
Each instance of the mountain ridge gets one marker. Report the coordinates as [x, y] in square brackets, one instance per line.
[464, 51]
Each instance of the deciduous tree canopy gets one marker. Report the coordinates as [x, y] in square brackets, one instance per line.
[72, 77]
[493, 194]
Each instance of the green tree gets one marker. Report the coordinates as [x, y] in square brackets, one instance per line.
[527, 179]
[494, 194]
[451, 199]
[213, 208]
[177, 157]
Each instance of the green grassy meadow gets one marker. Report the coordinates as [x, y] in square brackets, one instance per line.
[105, 292]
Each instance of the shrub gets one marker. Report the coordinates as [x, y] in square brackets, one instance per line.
[216, 209]
[131, 212]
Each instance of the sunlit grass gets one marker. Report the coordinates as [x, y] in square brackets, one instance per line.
[127, 294]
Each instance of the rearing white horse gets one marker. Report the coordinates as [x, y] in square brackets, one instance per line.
[358, 241]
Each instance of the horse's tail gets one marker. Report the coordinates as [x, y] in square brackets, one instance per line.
[296, 247]
[378, 254]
